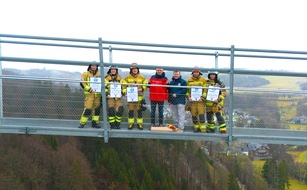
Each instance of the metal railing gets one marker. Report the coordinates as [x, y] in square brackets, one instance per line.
[52, 105]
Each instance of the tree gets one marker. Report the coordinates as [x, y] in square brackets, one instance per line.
[283, 175]
[276, 174]
[269, 172]
[232, 183]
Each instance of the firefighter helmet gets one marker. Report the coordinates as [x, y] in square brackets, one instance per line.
[94, 63]
[134, 66]
[112, 67]
[196, 70]
[213, 73]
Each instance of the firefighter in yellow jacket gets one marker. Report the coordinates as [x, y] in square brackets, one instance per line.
[115, 89]
[136, 105]
[215, 107]
[196, 98]
[92, 102]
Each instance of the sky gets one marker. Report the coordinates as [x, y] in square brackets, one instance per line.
[261, 24]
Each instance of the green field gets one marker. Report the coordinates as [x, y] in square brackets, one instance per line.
[258, 165]
[284, 82]
[294, 184]
[299, 156]
[297, 185]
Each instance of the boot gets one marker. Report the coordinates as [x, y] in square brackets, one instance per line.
[95, 125]
[211, 130]
[140, 126]
[130, 126]
[196, 130]
[81, 125]
[112, 125]
[223, 129]
[117, 125]
[202, 128]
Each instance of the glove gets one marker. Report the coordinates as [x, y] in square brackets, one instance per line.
[90, 90]
[215, 108]
[188, 107]
[142, 103]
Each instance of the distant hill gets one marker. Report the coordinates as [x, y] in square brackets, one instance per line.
[239, 80]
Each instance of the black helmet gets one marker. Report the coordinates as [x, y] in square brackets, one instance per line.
[94, 63]
[112, 67]
[134, 66]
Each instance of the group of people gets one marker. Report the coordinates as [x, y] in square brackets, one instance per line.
[198, 94]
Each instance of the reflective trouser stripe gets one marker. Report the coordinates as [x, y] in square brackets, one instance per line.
[130, 120]
[95, 118]
[202, 127]
[211, 125]
[222, 125]
[83, 120]
[196, 126]
[112, 119]
[118, 118]
[139, 120]
[85, 115]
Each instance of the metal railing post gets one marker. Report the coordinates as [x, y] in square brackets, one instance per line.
[1, 88]
[216, 60]
[110, 54]
[231, 84]
[103, 94]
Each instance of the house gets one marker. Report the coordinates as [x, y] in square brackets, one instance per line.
[259, 151]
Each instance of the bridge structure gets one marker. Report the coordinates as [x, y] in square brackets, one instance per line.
[50, 101]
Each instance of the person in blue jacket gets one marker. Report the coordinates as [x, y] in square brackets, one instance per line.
[177, 98]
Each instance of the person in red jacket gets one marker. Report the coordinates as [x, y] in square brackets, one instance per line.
[158, 94]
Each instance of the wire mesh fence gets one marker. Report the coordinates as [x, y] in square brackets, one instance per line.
[252, 107]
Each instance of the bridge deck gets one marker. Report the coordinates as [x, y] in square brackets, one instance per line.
[70, 128]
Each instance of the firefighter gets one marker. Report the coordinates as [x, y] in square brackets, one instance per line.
[215, 107]
[114, 91]
[196, 100]
[136, 106]
[92, 102]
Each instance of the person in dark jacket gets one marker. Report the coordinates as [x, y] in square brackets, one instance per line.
[158, 94]
[177, 98]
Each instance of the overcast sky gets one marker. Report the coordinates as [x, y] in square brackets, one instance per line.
[261, 24]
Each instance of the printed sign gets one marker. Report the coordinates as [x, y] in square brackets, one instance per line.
[213, 93]
[115, 90]
[95, 83]
[196, 93]
[132, 94]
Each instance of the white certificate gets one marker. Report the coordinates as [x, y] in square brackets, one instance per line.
[213, 93]
[196, 93]
[132, 94]
[115, 90]
[95, 83]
